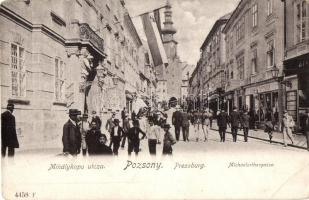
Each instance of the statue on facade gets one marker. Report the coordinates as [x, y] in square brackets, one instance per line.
[86, 67]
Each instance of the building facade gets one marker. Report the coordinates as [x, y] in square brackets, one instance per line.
[211, 66]
[296, 59]
[66, 54]
[254, 46]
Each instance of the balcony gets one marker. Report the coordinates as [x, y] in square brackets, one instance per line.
[297, 50]
[81, 34]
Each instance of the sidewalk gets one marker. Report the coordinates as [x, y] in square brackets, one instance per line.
[300, 140]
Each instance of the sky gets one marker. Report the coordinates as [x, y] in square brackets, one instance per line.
[193, 20]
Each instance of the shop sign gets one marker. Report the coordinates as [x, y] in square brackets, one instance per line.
[262, 88]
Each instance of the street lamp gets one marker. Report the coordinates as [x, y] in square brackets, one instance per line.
[275, 72]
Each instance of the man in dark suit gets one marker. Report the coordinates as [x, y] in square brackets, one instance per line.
[235, 120]
[125, 127]
[116, 135]
[222, 121]
[185, 124]
[71, 138]
[96, 119]
[246, 124]
[8, 132]
[177, 121]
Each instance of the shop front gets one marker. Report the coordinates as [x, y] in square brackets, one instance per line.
[262, 99]
[296, 72]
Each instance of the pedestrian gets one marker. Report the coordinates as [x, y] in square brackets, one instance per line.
[177, 121]
[123, 114]
[153, 135]
[185, 124]
[134, 139]
[288, 124]
[196, 124]
[206, 123]
[269, 127]
[222, 121]
[211, 118]
[116, 135]
[307, 127]
[168, 141]
[71, 137]
[109, 126]
[234, 121]
[8, 132]
[102, 148]
[92, 138]
[125, 127]
[96, 119]
[246, 124]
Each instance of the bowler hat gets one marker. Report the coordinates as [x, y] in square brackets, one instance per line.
[74, 112]
[10, 105]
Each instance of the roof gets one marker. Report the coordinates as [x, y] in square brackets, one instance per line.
[218, 23]
[235, 12]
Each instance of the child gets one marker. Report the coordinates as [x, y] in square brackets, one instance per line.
[168, 141]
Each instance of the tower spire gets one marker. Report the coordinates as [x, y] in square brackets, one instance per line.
[168, 23]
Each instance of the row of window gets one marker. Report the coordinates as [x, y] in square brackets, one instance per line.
[18, 74]
[270, 59]
[302, 21]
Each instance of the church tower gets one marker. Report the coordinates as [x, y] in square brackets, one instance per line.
[168, 31]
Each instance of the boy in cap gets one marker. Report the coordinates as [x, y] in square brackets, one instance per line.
[168, 141]
[71, 137]
[133, 138]
[8, 132]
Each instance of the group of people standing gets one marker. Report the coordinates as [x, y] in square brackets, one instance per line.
[93, 141]
[201, 122]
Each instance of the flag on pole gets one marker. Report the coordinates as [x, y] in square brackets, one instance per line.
[156, 14]
[154, 39]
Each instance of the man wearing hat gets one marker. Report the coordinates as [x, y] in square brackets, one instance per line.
[71, 138]
[134, 139]
[235, 121]
[177, 121]
[222, 121]
[8, 132]
[168, 141]
[125, 127]
[307, 127]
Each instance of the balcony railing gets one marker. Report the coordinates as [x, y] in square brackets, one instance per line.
[86, 33]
